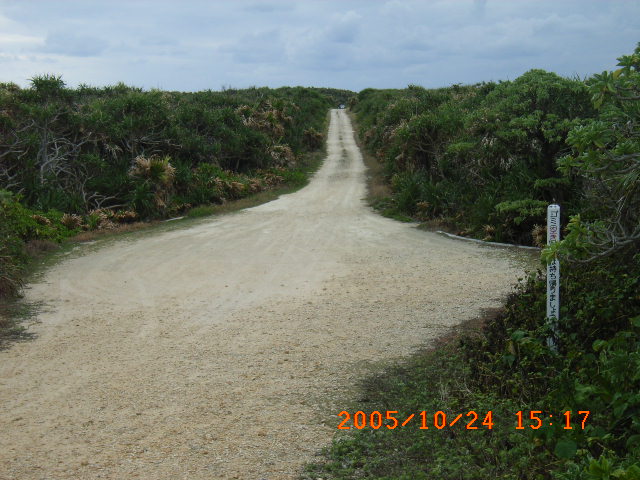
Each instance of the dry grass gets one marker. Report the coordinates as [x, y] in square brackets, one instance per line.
[94, 234]
[434, 224]
[377, 187]
[472, 328]
[35, 248]
[539, 235]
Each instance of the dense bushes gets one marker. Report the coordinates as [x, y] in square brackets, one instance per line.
[20, 225]
[73, 149]
[596, 366]
[92, 158]
[482, 156]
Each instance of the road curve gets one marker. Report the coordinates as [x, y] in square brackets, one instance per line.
[221, 350]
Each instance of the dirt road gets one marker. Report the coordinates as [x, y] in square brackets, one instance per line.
[222, 350]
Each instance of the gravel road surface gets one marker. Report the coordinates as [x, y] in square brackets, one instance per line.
[226, 348]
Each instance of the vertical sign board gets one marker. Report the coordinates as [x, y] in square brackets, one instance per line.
[553, 269]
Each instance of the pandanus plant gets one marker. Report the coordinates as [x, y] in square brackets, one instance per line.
[156, 175]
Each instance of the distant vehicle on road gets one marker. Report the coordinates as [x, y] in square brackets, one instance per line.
[341, 106]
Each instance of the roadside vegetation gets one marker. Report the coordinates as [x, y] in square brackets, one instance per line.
[487, 159]
[479, 158]
[483, 160]
[84, 160]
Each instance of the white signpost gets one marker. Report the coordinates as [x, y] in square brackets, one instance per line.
[553, 271]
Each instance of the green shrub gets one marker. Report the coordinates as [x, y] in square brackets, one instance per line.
[77, 150]
[448, 148]
[201, 211]
[18, 226]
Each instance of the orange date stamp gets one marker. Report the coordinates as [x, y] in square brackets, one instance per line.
[471, 420]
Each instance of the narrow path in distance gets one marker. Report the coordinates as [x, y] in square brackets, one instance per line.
[220, 350]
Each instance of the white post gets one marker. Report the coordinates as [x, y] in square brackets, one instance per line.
[553, 272]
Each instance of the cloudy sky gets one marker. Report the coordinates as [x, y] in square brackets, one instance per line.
[192, 45]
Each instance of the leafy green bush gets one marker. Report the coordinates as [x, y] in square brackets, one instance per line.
[77, 150]
[18, 226]
[605, 154]
[494, 142]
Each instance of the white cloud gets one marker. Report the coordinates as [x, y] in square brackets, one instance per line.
[343, 28]
[12, 40]
[14, 37]
[75, 45]
[343, 43]
[260, 47]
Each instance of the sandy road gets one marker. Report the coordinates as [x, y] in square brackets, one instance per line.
[221, 350]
